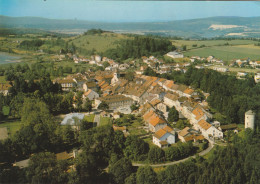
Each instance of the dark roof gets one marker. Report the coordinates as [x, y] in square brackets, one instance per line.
[228, 127]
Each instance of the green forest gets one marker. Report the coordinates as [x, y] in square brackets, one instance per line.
[104, 149]
[140, 46]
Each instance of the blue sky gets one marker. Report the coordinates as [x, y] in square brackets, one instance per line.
[127, 11]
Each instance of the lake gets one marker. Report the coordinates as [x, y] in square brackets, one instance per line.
[7, 58]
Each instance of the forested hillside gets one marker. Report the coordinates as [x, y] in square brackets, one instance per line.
[140, 46]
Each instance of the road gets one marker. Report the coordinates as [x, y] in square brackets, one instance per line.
[97, 119]
[204, 152]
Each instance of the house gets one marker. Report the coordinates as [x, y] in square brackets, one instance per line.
[174, 55]
[123, 66]
[221, 69]
[159, 105]
[172, 100]
[241, 74]
[164, 137]
[4, 88]
[90, 85]
[199, 67]
[207, 130]
[115, 101]
[119, 128]
[116, 115]
[90, 94]
[198, 114]
[188, 134]
[67, 84]
[97, 58]
[73, 119]
[155, 122]
[184, 133]
[115, 79]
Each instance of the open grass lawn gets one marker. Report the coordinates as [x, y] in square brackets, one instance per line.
[2, 79]
[226, 53]
[137, 132]
[104, 121]
[12, 127]
[98, 42]
[89, 118]
[137, 123]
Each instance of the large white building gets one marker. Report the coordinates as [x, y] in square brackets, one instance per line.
[249, 119]
[207, 130]
[175, 54]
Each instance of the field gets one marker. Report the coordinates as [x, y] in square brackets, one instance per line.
[210, 43]
[2, 79]
[226, 53]
[89, 118]
[12, 127]
[104, 121]
[100, 42]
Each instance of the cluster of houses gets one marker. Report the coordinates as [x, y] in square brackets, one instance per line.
[246, 62]
[154, 95]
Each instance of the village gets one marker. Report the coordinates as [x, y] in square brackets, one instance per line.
[152, 98]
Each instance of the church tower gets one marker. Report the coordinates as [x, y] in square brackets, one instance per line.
[249, 119]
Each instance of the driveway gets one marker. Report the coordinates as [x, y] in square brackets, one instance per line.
[204, 152]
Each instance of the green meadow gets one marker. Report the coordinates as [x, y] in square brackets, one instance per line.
[226, 53]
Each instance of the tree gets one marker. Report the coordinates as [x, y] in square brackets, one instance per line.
[44, 168]
[86, 169]
[131, 179]
[121, 170]
[136, 148]
[79, 100]
[87, 105]
[172, 153]
[156, 155]
[146, 175]
[130, 76]
[134, 107]
[173, 115]
[103, 106]
[106, 64]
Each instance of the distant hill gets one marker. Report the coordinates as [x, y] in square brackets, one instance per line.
[194, 28]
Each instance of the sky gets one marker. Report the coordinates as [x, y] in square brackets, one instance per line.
[127, 11]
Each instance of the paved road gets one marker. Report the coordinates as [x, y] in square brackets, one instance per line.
[204, 152]
[97, 119]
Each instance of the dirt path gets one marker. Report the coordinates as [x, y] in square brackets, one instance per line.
[204, 152]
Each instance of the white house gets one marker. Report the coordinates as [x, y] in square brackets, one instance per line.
[98, 58]
[207, 130]
[172, 100]
[4, 88]
[257, 77]
[164, 137]
[90, 94]
[220, 69]
[174, 54]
